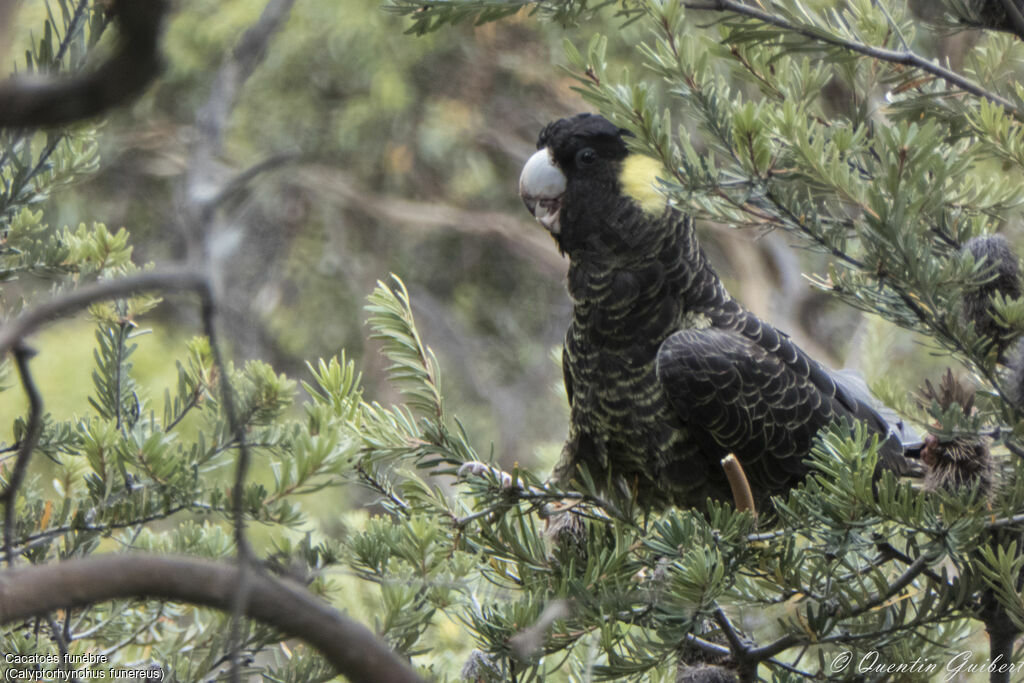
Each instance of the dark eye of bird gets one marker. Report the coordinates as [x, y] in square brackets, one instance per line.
[586, 157]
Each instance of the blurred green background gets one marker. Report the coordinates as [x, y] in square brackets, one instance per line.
[401, 154]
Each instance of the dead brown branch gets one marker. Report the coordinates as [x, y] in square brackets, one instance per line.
[353, 650]
[30, 103]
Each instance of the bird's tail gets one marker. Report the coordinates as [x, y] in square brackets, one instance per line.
[901, 449]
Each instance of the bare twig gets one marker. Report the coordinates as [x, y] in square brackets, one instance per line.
[203, 194]
[787, 641]
[9, 496]
[240, 595]
[242, 178]
[62, 647]
[168, 280]
[351, 648]
[30, 104]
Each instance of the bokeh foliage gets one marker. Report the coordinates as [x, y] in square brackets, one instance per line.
[399, 154]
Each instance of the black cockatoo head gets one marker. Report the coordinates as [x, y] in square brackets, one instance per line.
[586, 188]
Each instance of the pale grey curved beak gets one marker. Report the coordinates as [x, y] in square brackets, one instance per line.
[541, 185]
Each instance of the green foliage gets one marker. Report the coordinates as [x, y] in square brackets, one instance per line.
[805, 123]
[374, 122]
[413, 366]
[130, 472]
[427, 18]
[121, 469]
[34, 165]
[887, 194]
[848, 563]
[821, 121]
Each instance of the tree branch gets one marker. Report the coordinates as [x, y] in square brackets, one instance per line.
[9, 496]
[789, 640]
[1005, 521]
[352, 649]
[212, 118]
[175, 279]
[707, 646]
[203, 192]
[242, 588]
[905, 57]
[202, 196]
[30, 104]
[243, 177]
[1002, 635]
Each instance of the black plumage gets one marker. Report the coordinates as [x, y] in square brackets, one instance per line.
[665, 372]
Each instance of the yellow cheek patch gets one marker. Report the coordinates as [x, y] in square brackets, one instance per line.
[639, 181]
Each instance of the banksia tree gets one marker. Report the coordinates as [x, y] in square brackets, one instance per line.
[847, 128]
[125, 551]
[839, 125]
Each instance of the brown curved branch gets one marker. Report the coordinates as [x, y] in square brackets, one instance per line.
[53, 102]
[353, 650]
[9, 495]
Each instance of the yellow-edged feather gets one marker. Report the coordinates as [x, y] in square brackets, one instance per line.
[639, 178]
